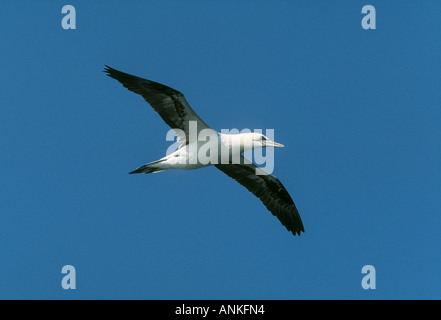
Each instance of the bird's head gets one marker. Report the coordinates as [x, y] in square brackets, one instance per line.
[257, 140]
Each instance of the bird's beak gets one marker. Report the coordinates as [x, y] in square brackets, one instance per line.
[274, 144]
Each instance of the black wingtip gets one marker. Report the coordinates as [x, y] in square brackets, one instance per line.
[300, 230]
[120, 76]
[109, 70]
[297, 231]
[113, 73]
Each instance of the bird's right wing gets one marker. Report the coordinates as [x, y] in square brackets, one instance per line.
[169, 103]
[269, 190]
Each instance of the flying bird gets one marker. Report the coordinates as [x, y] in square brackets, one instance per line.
[174, 109]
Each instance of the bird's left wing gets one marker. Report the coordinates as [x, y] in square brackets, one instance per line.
[269, 190]
[169, 103]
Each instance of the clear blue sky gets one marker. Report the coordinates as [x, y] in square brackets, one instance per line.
[358, 111]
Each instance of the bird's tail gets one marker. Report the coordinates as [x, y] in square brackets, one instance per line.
[151, 167]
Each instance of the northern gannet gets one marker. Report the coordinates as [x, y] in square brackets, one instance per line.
[174, 109]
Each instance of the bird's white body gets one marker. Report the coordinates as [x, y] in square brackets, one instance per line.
[219, 149]
[184, 158]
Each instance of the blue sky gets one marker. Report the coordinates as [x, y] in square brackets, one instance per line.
[358, 111]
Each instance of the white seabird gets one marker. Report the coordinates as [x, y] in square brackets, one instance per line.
[174, 109]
